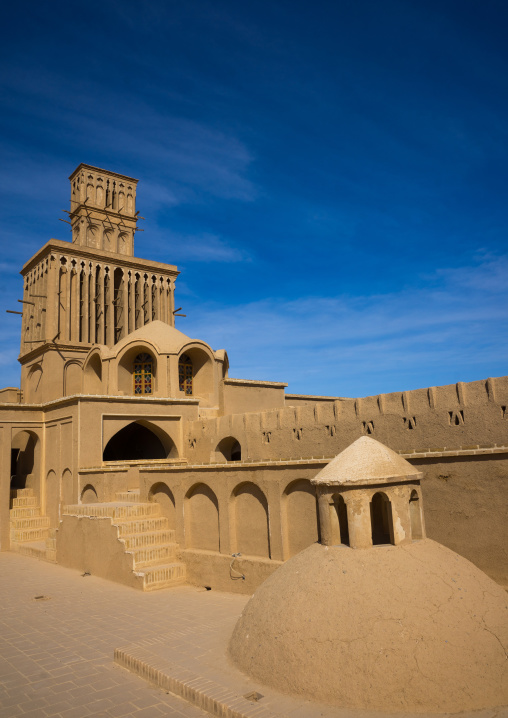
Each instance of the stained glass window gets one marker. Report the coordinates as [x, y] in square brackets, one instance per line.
[143, 376]
[185, 374]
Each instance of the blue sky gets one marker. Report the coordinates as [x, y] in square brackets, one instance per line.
[330, 178]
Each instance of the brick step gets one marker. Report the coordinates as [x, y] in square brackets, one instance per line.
[34, 522]
[151, 538]
[25, 501]
[128, 495]
[154, 555]
[156, 577]
[140, 526]
[25, 512]
[122, 511]
[21, 492]
[24, 535]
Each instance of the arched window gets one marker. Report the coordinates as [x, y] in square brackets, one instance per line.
[185, 374]
[143, 374]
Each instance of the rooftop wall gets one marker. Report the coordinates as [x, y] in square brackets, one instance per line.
[445, 417]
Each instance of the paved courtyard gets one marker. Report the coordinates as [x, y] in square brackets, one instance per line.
[58, 631]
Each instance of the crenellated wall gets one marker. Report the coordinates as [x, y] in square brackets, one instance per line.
[453, 416]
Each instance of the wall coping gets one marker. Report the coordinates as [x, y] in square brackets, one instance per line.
[164, 465]
[255, 382]
[314, 397]
[104, 397]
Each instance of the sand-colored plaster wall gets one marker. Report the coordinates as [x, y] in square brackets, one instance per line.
[466, 504]
[222, 573]
[448, 416]
[218, 512]
[247, 396]
[92, 545]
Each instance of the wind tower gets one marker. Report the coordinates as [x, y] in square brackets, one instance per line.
[93, 291]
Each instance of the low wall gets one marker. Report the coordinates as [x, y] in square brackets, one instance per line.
[224, 573]
[465, 505]
[92, 545]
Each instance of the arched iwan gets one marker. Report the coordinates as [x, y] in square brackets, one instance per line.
[136, 442]
[201, 513]
[25, 461]
[300, 516]
[250, 520]
[162, 494]
[228, 449]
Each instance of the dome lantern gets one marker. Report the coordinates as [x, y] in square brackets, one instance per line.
[369, 495]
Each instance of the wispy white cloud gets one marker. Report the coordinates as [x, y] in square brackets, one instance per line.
[185, 156]
[454, 330]
[202, 247]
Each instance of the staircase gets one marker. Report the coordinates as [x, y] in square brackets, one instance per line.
[31, 534]
[145, 536]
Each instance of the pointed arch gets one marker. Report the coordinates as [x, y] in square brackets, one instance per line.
[201, 515]
[250, 520]
[381, 519]
[137, 441]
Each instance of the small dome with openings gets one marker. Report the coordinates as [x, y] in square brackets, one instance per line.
[404, 624]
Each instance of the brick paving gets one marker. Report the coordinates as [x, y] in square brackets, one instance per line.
[59, 631]
[56, 652]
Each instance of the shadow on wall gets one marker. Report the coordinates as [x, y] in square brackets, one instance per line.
[89, 495]
[201, 514]
[136, 442]
[92, 381]
[162, 494]
[228, 449]
[301, 517]
[250, 521]
[381, 519]
[25, 448]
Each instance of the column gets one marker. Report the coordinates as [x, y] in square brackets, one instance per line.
[85, 319]
[358, 515]
[125, 304]
[52, 300]
[324, 499]
[132, 302]
[224, 532]
[5, 487]
[109, 311]
[62, 303]
[149, 298]
[275, 521]
[99, 305]
[43, 284]
[171, 303]
[75, 304]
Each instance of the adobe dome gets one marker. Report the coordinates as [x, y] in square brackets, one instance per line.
[409, 627]
[366, 461]
[166, 339]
